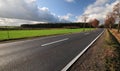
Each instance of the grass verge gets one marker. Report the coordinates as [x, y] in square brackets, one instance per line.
[104, 55]
[16, 34]
[112, 53]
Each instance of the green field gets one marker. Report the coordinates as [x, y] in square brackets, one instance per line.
[13, 34]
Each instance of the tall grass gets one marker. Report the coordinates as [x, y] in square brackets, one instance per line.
[113, 53]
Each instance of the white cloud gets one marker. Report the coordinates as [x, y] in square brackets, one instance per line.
[100, 2]
[20, 9]
[69, 1]
[45, 9]
[66, 17]
[46, 16]
[98, 10]
[15, 22]
[79, 19]
[26, 10]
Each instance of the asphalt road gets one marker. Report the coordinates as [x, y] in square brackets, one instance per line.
[44, 54]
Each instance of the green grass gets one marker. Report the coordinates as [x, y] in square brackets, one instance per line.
[13, 34]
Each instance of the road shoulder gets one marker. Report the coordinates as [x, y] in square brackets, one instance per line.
[101, 56]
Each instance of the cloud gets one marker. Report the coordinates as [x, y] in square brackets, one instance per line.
[15, 22]
[66, 17]
[98, 10]
[79, 18]
[26, 10]
[46, 16]
[20, 9]
[69, 1]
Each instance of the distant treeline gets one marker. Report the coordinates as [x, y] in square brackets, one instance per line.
[56, 25]
[47, 26]
[11, 28]
[52, 25]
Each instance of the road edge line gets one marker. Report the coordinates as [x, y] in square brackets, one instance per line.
[80, 54]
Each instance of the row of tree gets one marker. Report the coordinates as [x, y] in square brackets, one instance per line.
[113, 16]
[56, 25]
[93, 23]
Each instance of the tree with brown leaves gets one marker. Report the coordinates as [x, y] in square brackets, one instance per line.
[95, 23]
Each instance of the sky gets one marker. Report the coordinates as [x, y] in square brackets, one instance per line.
[17, 12]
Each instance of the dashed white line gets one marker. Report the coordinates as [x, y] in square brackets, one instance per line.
[87, 33]
[55, 42]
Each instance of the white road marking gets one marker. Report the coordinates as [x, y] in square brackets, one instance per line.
[55, 42]
[80, 54]
[27, 40]
[87, 33]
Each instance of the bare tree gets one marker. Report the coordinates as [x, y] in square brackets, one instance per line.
[116, 11]
[110, 20]
[84, 18]
[90, 23]
[106, 22]
[8, 33]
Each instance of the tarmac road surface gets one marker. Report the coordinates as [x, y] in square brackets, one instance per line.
[50, 53]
